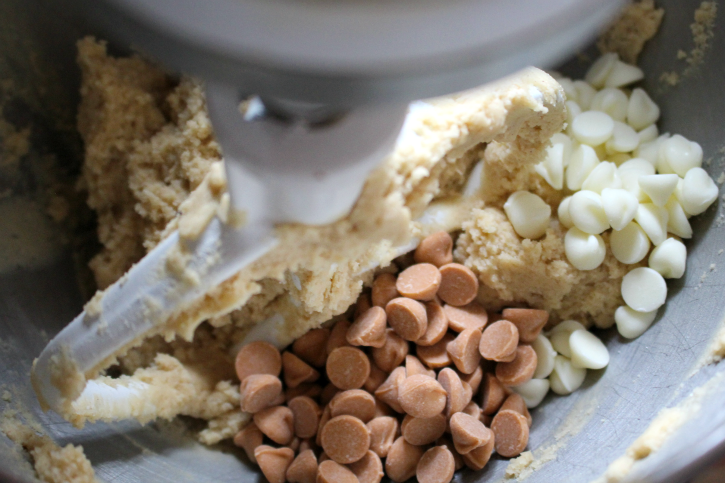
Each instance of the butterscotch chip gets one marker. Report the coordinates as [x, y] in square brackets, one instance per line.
[274, 462]
[368, 329]
[468, 432]
[493, 394]
[402, 460]
[437, 324]
[473, 379]
[259, 391]
[303, 469]
[363, 303]
[331, 472]
[464, 350]
[529, 322]
[382, 409]
[422, 396]
[311, 347]
[436, 355]
[420, 431]
[384, 289]
[392, 353]
[453, 386]
[471, 316]
[249, 438]
[308, 443]
[258, 358]
[479, 457]
[348, 368]
[297, 371]
[328, 392]
[323, 457]
[375, 379]
[345, 439]
[277, 423]
[306, 416]
[324, 419]
[520, 370]
[419, 282]
[512, 433]
[294, 444]
[459, 285]
[467, 392]
[389, 391]
[499, 341]
[448, 443]
[515, 402]
[436, 466]
[413, 366]
[473, 410]
[354, 402]
[436, 249]
[407, 317]
[368, 469]
[338, 337]
[383, 432]
[305, 389]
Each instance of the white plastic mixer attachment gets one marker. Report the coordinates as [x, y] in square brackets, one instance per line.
[278, 171]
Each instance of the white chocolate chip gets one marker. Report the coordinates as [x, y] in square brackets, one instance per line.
[559, 336]
[623, 74]
[669, 259]
[604, 175]
[545, 354]
[572, 111]
[592, 127]
[612, 101]
[533, 391]
[585, 94]
[587, 350]
[653, 220]
[563, 139]
[648, 134]
[650, 151]
[565, 378]
[630, 323]
[563, 213]
[681, 154]
[583, 250]
[644, 290]
[528, 214]
[699, 191]
[569, 89]
[582, 162]
[624, 139]
[629, 245]
[630, 171]
[658, 187]
[597, 74]
[620, 206]
[587, 212]
[677, 222]
[552, 167]
[641, 110]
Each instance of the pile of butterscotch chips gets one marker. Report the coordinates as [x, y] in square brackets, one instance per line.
[417, 385]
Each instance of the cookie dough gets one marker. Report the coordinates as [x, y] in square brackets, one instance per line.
[149, 147]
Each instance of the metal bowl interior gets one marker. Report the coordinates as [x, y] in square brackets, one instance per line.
[581, 434]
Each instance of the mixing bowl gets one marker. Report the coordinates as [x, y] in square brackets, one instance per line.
[575, 438]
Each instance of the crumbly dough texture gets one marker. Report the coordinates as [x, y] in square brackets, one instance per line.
[52, 463]
[637, 23]
[149, 145]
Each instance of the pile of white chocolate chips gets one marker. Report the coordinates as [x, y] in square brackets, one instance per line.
[424, 381]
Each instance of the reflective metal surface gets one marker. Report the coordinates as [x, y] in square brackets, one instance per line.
[588, 429]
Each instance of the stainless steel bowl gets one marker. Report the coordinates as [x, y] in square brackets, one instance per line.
[589, 428]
